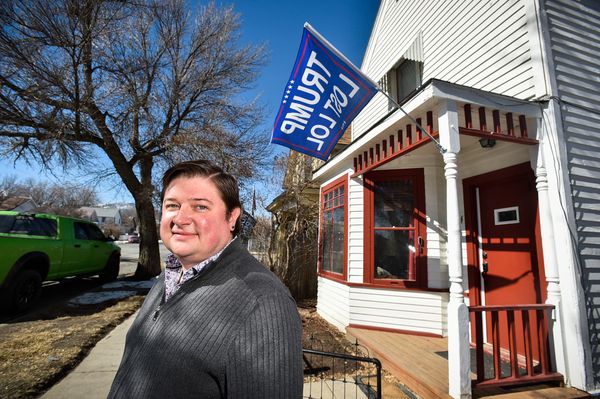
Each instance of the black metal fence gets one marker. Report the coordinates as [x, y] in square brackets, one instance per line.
[330, 375]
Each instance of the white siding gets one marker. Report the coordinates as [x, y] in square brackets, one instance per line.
[406, 310]
[355, 230]
[435, 200]
[478, 43]
[332, 302]
[575, 53]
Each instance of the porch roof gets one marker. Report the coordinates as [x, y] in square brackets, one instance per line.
[377, 146]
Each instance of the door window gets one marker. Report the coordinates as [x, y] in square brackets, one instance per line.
[86, 231]
[506, 215]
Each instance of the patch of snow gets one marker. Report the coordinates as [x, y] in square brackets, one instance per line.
[92, 298]
[144, 284]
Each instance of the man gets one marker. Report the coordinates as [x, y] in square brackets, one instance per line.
[217, 324]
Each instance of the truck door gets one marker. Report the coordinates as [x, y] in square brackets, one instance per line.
[79, 254]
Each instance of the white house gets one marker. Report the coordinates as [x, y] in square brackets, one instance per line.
[103, 216]
[503, 216]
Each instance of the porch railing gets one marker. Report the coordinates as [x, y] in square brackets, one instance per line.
[331, 375]
[506, 360]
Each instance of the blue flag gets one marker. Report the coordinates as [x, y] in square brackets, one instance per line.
[323, 95]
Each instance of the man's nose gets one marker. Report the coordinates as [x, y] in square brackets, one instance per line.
[183, 216]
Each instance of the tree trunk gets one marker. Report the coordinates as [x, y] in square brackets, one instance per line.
[149, 258]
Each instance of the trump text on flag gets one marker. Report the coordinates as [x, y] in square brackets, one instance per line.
[324, 94]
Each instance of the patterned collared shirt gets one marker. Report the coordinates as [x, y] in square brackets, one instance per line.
[176, 275]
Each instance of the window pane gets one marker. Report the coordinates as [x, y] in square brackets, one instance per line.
[6, 223]
[337, 252]
[327, 240]
[80, 231]
[43, 227]
[394, 254]
[409, 76]
[393, 203]
[94, 233]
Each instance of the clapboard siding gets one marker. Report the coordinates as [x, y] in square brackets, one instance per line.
[435, 198]
[332, 302]
[355, 231]
[575, 51]
[478, 43]
[399, 309]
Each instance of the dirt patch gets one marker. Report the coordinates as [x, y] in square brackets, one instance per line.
[35, 354]
[319, 335]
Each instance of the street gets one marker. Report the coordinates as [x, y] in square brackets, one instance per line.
[129, 257]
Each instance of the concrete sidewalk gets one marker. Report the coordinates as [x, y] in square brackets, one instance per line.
[92, 378]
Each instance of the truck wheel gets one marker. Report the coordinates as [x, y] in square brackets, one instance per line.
[111, 270]
[24, 290]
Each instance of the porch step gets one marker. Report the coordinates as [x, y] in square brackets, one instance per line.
[550, 393]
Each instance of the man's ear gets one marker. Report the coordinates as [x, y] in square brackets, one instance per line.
[234, 215]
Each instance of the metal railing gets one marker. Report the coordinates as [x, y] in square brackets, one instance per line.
[331, 375]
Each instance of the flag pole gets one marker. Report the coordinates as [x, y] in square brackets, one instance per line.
[440, 148]
[337, 52]
[343, 57]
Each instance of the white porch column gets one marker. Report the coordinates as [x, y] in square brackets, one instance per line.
[550, 265]
[458, 314]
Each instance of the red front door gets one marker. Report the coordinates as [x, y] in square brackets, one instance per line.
[507, 213]
[504, 248]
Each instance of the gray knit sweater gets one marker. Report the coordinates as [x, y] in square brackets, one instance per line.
[233, 331]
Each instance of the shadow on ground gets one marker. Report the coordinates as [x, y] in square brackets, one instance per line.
[79, 297]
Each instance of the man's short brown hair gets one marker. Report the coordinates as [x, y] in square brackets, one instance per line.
[226, 184]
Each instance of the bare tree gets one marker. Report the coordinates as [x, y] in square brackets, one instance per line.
[293, 246]
[143, 83]
[63, 199]
[8, 186]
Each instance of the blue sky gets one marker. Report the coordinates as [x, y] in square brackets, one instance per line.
[346, 24]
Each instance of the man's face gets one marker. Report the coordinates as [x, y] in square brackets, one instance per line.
[195, 224]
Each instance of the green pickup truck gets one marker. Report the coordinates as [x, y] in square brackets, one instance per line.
[39, 247]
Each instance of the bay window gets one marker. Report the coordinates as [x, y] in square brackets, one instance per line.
[332, 246]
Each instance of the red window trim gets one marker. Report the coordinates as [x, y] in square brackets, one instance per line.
[420, 281]
[342, 181]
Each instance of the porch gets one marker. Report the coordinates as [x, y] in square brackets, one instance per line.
[420, 362]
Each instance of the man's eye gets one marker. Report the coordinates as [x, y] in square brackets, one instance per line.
[171, 206]
[201, 207]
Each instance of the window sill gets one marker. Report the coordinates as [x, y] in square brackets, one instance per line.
[342, 280]
[333, 276]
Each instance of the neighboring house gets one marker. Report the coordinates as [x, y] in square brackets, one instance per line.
[507, 215]
[295, 219]
[292, 253]
[88, 213]
[20, 204]
[103, 216]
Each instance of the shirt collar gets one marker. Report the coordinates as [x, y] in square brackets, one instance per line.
[172, 262]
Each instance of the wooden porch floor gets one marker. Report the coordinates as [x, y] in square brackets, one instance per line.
[421, 364]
